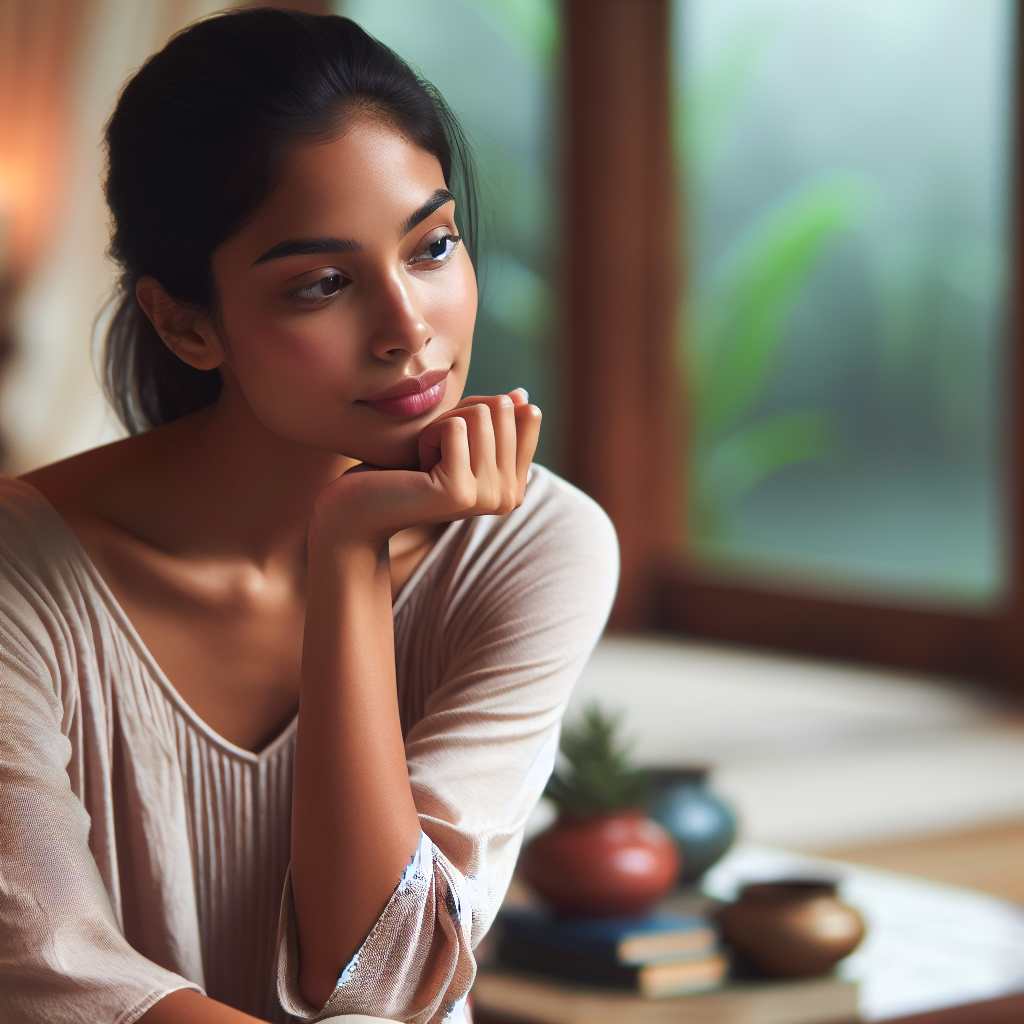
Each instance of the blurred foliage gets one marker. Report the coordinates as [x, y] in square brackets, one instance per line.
[733, 328]
[848, 177]
[936, 292]
[597, 774]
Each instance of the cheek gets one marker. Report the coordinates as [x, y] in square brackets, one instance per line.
[293, 372]
[450, 308]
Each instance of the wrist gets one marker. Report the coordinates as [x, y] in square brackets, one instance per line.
[348, 554]
[331, 539]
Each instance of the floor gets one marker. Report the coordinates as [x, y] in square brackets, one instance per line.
[882, 768]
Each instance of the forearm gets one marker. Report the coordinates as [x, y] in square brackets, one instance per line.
[188, 1007]
[354, 823]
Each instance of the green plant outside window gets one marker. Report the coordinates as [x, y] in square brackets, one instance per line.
[845, 167]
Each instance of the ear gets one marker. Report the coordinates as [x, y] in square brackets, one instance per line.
[191, 336]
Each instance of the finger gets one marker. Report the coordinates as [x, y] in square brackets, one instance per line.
[528, 418]
[429, 446]
[520, 396]
[506, 444]
[481, 443]
[453, 471]
[468, 409]
[503, 422]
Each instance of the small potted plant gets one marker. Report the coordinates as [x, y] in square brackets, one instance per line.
[602, 857]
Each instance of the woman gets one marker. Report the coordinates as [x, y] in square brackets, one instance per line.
[281, 673]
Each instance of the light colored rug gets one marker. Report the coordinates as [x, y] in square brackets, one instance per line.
[814, 755]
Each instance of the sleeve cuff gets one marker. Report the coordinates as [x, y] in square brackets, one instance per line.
[415, 965]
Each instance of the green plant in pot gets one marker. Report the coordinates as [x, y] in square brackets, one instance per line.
[603, 857]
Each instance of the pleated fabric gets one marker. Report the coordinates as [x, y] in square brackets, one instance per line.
[142, 853]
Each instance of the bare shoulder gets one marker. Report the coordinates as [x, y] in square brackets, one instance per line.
[70, 484]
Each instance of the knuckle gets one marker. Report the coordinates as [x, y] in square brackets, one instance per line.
[508, 500]
[454, 427]
[464, 494]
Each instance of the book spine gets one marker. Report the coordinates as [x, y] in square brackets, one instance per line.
[699, 942]
[561, 964]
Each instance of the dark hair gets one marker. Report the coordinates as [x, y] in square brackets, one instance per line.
[197, 143]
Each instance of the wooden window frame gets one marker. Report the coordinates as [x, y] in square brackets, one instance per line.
[621, 398]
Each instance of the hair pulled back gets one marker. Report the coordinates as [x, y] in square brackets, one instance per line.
[197, 143]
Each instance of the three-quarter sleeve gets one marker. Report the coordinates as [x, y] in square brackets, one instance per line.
[62, 953]
[515, 606]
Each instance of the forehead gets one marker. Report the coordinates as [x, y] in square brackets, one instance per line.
[360, 185]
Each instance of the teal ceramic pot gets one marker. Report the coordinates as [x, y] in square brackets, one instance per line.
[702, 824]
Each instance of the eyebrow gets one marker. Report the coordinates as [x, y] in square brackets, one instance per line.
[320, 246]
[440, 198]
[308, 247]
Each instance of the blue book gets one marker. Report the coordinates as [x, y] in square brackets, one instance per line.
[628, 941]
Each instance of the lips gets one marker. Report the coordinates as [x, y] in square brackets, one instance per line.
[412, 396]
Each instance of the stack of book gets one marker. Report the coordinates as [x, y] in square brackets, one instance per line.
[658, 956]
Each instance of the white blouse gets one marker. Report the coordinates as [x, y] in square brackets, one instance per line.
[141, 852]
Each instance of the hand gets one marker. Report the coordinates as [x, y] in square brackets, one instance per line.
[474, 460]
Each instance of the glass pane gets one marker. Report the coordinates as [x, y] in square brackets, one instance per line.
[846, 172]
[493, 61]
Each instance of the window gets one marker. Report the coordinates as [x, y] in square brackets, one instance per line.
[846, 170]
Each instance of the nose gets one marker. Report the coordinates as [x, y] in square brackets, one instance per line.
[398, 327]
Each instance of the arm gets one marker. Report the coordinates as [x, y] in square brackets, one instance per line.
[355, 826]
[187, 1007]
[492, 641]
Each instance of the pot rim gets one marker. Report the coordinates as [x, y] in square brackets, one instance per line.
[565, 814]
[788, 889]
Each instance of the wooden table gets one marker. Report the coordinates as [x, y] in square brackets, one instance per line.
[1009, 1010]
[934, 954]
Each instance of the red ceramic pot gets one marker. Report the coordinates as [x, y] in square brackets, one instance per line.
[602, 865]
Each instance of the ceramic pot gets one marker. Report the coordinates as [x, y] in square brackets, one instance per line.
[602, 865]
[791, 929]
[702, 824]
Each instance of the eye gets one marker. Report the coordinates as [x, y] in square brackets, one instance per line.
[439, 251]
[321, 290]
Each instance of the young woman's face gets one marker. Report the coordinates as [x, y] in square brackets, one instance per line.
[347, 304]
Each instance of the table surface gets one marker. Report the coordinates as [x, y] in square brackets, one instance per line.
[929, 947]
[1008, 1010]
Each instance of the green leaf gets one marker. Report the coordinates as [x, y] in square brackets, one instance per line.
[596, 774]
[738, 318]
[736, 465]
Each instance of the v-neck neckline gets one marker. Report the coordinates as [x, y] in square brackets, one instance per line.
[167, 688]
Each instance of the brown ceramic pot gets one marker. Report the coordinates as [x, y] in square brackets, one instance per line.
[602, 865]
[791, 929]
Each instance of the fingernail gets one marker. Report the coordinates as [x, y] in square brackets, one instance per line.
[524, 393]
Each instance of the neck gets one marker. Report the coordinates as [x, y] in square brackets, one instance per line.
[219, 482]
